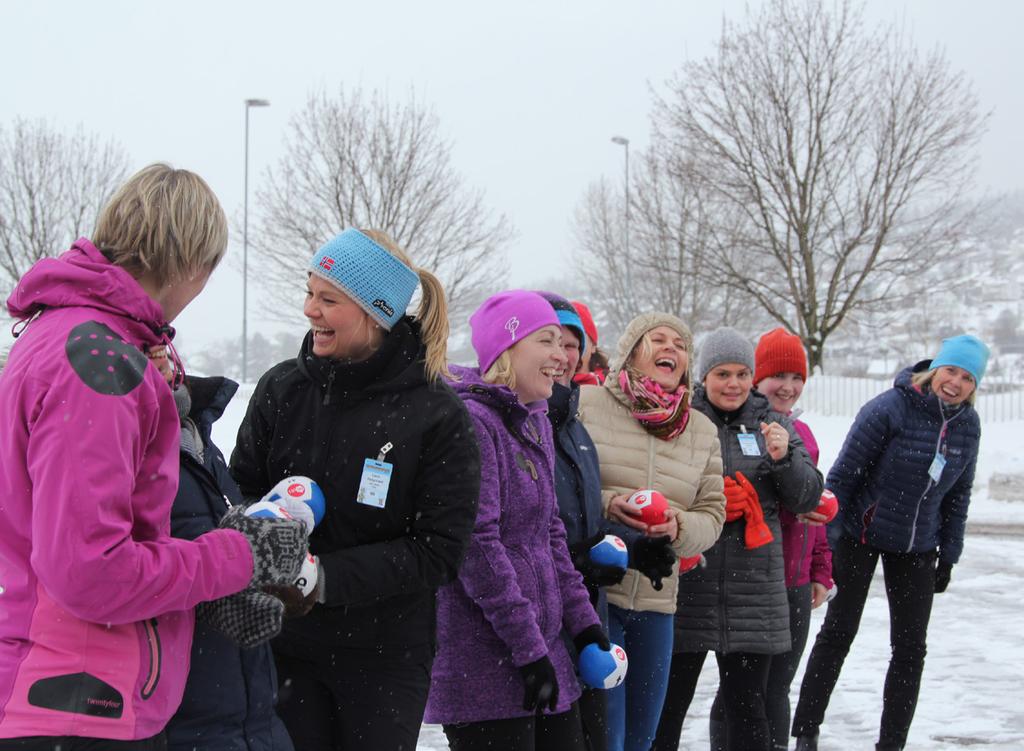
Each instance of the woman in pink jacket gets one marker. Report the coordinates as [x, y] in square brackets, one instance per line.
[96, 597]
[779, 373]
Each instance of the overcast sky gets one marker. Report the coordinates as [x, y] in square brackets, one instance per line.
[529, 93]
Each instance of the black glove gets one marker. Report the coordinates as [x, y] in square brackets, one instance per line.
[248, 618]
[943, 572]
[541, 685]
[278, 545]
[594, 574]
[591, 635]
[654, 558]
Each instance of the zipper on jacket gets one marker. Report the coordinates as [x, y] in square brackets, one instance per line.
[153, 642]
[330, 385]
[650, 484]
[938, 447]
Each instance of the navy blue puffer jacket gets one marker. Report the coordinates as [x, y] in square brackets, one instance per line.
[886, 497]
[231, 692]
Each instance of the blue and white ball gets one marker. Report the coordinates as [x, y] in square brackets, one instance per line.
[300, 488]
[600, 669]
[611, 551]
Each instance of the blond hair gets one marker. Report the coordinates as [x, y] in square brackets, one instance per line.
[164, 223]
[432, 314]
[501, 371]
[923, 381]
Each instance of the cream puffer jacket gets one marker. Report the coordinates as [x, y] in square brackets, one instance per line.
[687, 470]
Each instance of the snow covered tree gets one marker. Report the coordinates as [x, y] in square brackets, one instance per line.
[836, 160]
[367, 162]
[52, 187]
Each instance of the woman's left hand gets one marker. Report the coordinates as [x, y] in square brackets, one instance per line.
[819, 594]
[776, 439]
[669, 527]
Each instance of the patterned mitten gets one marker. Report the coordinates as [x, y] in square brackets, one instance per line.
[278, 545]
[248, 618]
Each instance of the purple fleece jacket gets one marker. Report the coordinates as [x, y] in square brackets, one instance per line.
[517, 587]
[805, 548]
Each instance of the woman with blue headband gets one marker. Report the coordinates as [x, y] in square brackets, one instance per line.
[364, 412]
[903, 481]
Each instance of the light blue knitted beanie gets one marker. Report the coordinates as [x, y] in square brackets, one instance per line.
[380, 283]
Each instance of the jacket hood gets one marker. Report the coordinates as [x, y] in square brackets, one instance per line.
[396, 366]
[924, 399]
[472, 388]
[83, 278]
[563, 404]
[210, 397]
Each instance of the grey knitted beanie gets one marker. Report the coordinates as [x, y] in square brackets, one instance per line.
[721, 346]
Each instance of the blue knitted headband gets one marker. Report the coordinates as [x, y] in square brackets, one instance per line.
[380, 283]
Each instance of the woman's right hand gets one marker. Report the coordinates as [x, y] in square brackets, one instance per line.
[622, 511]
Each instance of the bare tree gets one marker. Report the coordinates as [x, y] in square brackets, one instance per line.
[838, 158]
[353, 160]
[52, 186]
[672, 244]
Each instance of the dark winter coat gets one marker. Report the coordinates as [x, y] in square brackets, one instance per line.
[886, 497]
[517, 588]
[738, 603]
[578, 481]
[231, 692]
[323, 418]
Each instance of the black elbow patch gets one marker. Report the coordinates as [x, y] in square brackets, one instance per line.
[104, 361]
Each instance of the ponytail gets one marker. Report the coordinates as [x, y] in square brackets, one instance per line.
[433, 311]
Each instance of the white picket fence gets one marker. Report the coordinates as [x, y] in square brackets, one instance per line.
[843, 396]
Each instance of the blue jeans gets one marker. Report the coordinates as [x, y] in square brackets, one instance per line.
[635, 706]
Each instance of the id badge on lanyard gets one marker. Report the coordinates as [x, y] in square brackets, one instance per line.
[748, 443]
[376, 479]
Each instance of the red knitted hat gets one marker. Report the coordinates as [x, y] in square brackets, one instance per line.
[778, 351]
[587, 319]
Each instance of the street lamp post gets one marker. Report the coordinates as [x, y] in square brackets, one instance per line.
[245, 240]
[624, 142]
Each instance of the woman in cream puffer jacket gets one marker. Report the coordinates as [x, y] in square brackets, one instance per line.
[647, 437]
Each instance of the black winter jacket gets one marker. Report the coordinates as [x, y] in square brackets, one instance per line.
[738, 603]
[886, 497]
[231, 692]
[324, 418]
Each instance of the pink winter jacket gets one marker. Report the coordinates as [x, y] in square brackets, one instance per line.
[805, 548]
[96, 598]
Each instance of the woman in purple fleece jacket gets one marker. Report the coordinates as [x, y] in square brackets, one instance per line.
[502, 677]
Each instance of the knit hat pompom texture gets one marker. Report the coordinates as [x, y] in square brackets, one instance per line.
[367, 273]
[778, 351]
[567, 315]
[647, 322]
[505, 319]
[964, 351]
[724, 345]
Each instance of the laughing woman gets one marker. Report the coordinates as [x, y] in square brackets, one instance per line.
[503, 679]
[363, 410]
[648, 437]
[903, 480]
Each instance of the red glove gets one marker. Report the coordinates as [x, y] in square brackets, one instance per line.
[688, 564]
[736, 499]
[757, 533]
[828, 506]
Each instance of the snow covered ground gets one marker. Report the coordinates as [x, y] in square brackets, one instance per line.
[970, 696]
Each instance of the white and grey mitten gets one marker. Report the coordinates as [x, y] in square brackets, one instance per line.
[278, 545]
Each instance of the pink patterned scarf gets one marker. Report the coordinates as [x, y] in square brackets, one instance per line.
[662, 413]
